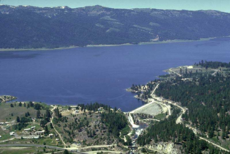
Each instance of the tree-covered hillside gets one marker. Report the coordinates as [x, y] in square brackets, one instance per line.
[169, 131]
[206, 96]
[200, 101]
[207, 100]
[34, 27]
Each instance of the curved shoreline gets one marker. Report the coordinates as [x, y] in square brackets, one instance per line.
[107, 45]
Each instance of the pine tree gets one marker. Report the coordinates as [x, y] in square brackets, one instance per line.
[38, 114]
[51, 126]
[48, 115]
[46, 130]
[18, 119]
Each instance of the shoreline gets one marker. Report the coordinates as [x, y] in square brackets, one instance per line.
[37, 49]
[107, 45]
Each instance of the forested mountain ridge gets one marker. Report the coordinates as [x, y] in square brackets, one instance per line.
[35, 27]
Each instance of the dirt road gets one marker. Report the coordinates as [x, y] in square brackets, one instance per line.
[51, 121]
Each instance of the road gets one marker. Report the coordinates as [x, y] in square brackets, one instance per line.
[179, 121]
[54, 147]
[165, 107]
[210, 142]
[74, 148]
[151, 120]
[170, 70]
[146, 105]
[93, 146]
[214, 74]
[51, 121]
[214, 144]
[94, 152]
[7, 140]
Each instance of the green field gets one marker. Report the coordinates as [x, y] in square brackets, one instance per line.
[161, 116]
[9, 113]
[23, 150]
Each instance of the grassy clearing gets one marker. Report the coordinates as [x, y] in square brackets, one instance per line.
[125, 131]
[161, 116]
[47, 141]
[37, 126]
[22, 150]
[42, 141]
[9, 113]
[5, 137]
[17, 150]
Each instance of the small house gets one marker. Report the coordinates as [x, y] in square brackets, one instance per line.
[100, 108]
[36, 137]
[39, 132]
[27, 129]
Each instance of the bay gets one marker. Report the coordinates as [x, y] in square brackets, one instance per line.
[98, 74]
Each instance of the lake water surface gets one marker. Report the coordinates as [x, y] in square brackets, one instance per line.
[98, 74]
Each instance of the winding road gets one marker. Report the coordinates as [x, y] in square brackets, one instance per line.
[179, 121]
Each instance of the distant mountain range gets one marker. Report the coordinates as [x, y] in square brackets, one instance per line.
[36, 27]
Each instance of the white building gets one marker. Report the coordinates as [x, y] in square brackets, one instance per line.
[39, 132]
[28, 129]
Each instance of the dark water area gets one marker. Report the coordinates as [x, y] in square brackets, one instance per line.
[98, 74]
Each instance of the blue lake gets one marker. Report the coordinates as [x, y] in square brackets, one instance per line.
[98, 74]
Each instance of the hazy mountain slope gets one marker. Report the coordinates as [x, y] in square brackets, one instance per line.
[34, 27]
